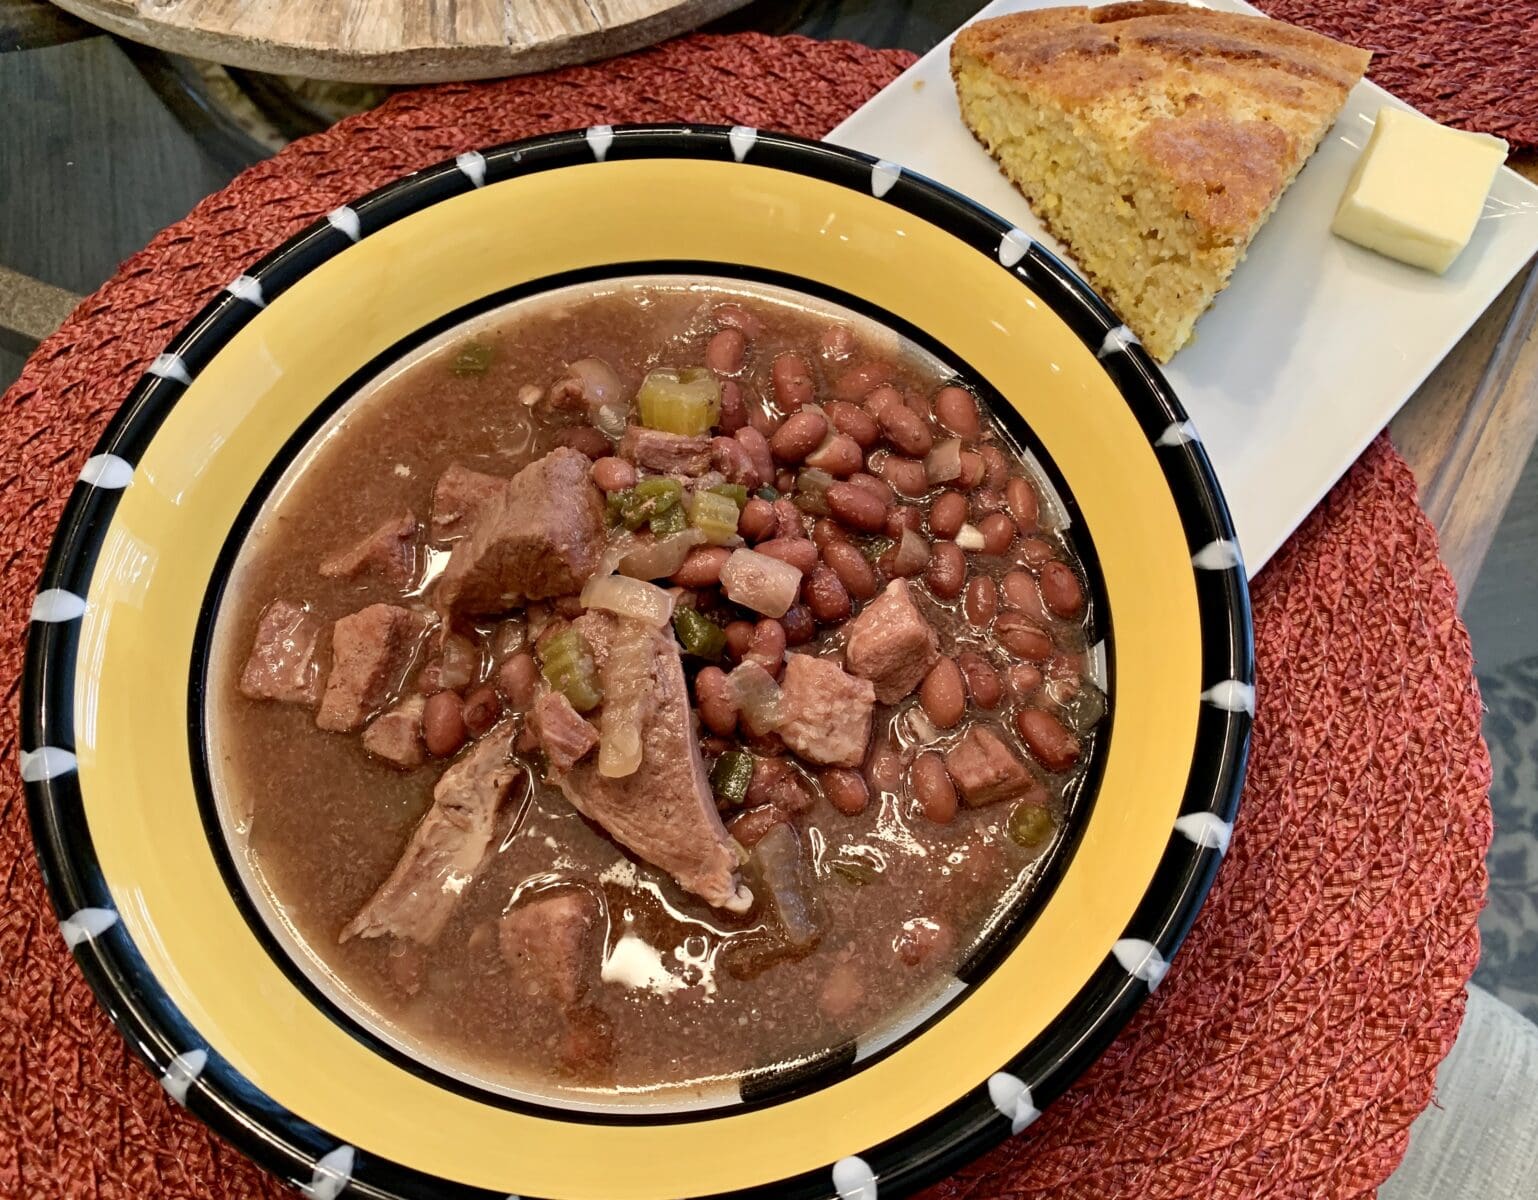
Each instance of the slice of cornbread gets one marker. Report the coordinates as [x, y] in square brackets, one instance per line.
[1151, 138]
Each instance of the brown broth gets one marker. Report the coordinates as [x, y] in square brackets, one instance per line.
[317, 824]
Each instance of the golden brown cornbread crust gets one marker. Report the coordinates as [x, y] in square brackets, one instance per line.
[1206, 117]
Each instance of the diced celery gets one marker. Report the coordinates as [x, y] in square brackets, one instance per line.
[473, 358]
[735, 491]
[566, 662]
[672, 520]
[714, 515]
[684, 400]
[698, 634]
[731, 775]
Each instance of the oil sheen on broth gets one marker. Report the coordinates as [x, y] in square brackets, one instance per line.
[508, 727]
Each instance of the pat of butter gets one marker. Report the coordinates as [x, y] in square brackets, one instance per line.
[1418, 189]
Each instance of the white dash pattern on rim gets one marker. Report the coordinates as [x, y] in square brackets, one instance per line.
[1014, 246]
[1178, 434]
[1141, 960]
[332, 1173]
[107, 471]
[1012, 1097]
[600, 138]
[1232, 695]
[472, 164]
[1119, 339]
[883, 176]
[46, 762]
[1221, 555]
[170, 366]
[345, 220]
[1207, 830]
[247, 288]
[742, 138]
[86, 925]
[181, 1072]
[853, 1179]
[52, 606]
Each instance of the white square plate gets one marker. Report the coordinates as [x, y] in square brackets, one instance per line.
[1316, 342]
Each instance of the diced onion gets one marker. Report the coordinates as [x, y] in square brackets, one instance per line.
[943, 463]
[970, 537]
[611, 420]
[627, 682]
[646, 602]
[909, 556]
[601, 386]
[758, 698]
[756, 581]
[659, 559]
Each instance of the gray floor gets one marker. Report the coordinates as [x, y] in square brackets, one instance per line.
[92, 165]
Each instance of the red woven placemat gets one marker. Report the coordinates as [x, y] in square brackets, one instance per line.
[1469, 63]
[1299, 1031]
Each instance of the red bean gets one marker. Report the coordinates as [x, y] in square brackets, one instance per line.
[905, 430]
[1024, 679]
[482, 708]
[905, 474]
[757, 520]
[856, 382]
[1061, 590]
[1048, 739]
[983, 683]
[587, 440]
[785, 481]
[728, 457]
[901, 517]
[943, 694]
[775, 781]
[856, 507]
[995, 467]
[981, 601]
[1035, 553]
[998, 532]
[517, 677]
[738, 317]
[826, 531]
[922, 940]
[1017, 635]
[825, 595]
[613, 474]
[734, 409]
[443, 724]
[724, 352]
[716, 701]
[878, 487]
[850, 419]
[852, 568]
[956, 409]
[799, 552]
[799, 625]
[738, 635]
[839, 456]
[766, 422]
[792, 382]
[983, 501]
[766, 646]
[971, 471]
[884, 769]
[879, 400]
[757, 446]
[799, 436]
[1022, 593]
[947, 570]
[836, 342]
[750, 827]
[933, 789]
[845, 790]
[1023, 504]
[920, 407]
[787, 518]
[702, 568]
[947, 514]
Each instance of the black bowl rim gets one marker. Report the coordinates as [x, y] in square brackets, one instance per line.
[301, 1153]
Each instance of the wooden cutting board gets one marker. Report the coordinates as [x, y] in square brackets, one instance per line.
[398, 41]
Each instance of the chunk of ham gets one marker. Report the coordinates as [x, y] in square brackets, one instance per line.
[282, 664]
[540, 536]
[388, 551]
[825, 712]
[395, 736]
[458, 498]
[670, 453]
[446, 848]
[565, 735]
[891, 644]
[371, 651]
[985, 769]
[663, 812]
[549, 942]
